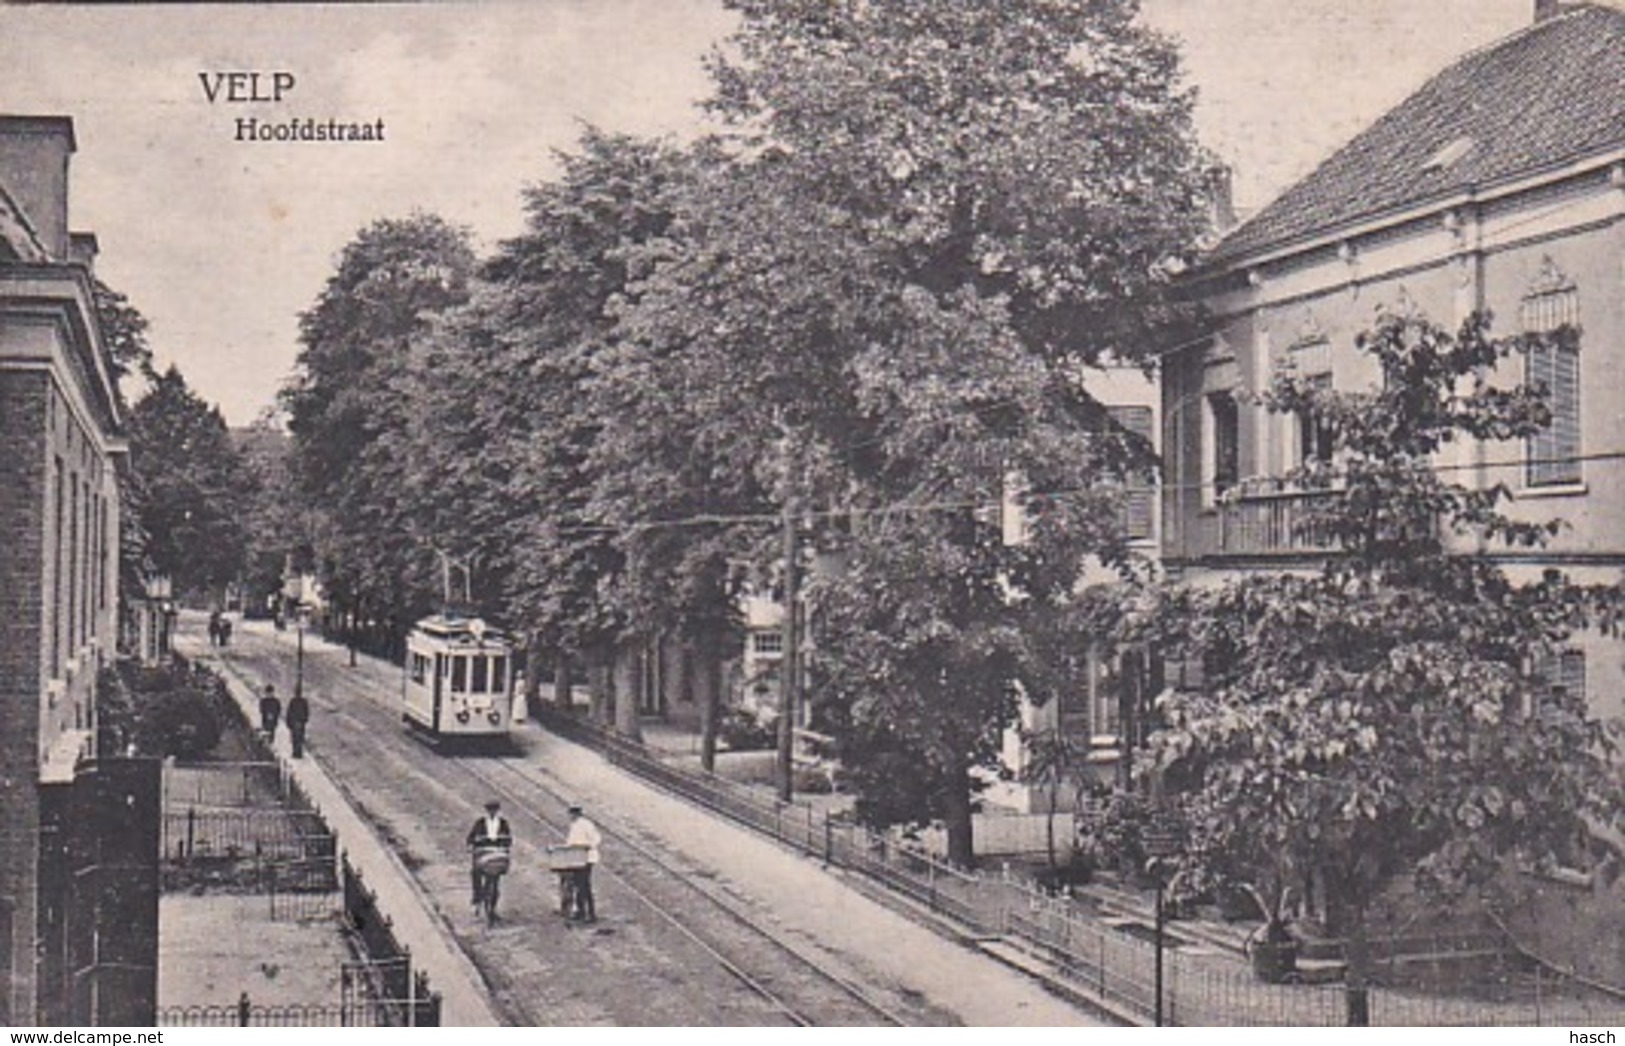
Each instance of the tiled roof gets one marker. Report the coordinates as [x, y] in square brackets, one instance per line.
[1550, 93]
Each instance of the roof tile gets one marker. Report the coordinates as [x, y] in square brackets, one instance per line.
[1550, 93]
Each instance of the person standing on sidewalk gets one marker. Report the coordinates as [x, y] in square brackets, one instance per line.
[270, 712]
[584, 833]
[298, 719]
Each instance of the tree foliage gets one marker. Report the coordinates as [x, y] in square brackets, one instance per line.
[187, 487]
[971, 204]
[353, 402]
[871, 299]
[1386, 716]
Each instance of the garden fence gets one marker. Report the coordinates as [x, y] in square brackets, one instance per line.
[1111, 962]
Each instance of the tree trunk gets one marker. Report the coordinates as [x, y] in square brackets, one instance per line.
[1356, 974]
[564, 681]
[708, 689]
[674, 673]
[957, 816]
[600, 690]
[628, 660]
[533, 673]
[1052, 794]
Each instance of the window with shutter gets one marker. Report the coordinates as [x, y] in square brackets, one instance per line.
[1552, 306]
[1563, 674]
[1223, 439]
[1138, 491]
[1316, 438]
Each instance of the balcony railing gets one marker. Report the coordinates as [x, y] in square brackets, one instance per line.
[1269, 518]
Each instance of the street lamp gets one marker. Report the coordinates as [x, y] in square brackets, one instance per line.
[1161, 844]
[299, 652]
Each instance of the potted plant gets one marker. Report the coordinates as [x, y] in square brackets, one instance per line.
[1271, 948]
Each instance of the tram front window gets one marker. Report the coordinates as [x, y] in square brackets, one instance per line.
[479, 675]
[459, 675]
[499, 674]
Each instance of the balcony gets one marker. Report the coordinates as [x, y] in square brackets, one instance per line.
[1269, 518]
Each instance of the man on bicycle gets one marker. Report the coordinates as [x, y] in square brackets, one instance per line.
[489, 832]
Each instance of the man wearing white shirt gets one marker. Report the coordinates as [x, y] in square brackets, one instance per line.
[584, 833]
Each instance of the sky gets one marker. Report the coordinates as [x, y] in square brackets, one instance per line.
[222, 243]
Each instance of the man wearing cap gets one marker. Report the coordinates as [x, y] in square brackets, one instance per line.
[489, 831]
[584, 833]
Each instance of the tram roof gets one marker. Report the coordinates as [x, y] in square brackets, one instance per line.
[453, 628]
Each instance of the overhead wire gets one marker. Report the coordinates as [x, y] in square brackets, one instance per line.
[1016, 401]
[926, 507]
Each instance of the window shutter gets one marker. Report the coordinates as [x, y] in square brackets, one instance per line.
[1137, 494]
[1571, 672]
[1553, 453]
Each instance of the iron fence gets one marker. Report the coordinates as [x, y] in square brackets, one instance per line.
[250, 784]
[1114, 964]
[197, 834]
[302, 890]
[383, 971]
[354, 1012]
[245, 1014]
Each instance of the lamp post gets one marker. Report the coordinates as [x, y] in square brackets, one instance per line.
[1161, 844]
[299, 652]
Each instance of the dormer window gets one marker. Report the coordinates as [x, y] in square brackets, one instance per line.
[1450, 154]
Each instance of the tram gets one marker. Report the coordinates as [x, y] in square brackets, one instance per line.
[458, 681]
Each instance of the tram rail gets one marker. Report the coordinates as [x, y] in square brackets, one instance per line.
[784, 976]
[532, 779]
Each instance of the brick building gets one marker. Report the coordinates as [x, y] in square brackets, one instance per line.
[67, 933]
[1499, 186]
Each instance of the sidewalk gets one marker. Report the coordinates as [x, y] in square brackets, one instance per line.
[809, 901]
[799, 895]
[465, 1002]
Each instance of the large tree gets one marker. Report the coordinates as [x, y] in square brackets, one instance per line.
[276, 520]
[517, 426]
[352, 408]
[124, 334]
[1387, 716]
[188, 487]
[936, 219]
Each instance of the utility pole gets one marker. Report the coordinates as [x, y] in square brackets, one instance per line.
[299, 654]
[790, 665]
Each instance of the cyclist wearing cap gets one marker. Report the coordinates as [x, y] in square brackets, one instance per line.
[490, 831]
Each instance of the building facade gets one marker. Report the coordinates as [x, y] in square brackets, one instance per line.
[1497, 187]
[60, 455]
[1098, 722]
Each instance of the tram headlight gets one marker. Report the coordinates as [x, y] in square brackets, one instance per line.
[494, 716]
[462, 716]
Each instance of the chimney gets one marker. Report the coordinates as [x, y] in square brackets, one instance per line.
[1221, 198]
[83, 248]
[1545, 9]
[34, 153]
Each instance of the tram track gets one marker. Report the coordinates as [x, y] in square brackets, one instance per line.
[792, 983]
[671, 873]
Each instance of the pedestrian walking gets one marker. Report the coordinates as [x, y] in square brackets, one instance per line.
[298, 719]
[585, 834]
[214, 628]
[270, 712]
[225, 630]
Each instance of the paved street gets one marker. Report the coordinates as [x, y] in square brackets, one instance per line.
[635, 967]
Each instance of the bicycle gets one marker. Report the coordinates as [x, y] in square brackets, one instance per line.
[490, 864]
